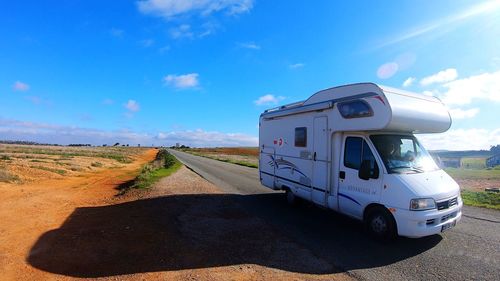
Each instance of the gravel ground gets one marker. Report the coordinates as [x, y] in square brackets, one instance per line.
[183, 228]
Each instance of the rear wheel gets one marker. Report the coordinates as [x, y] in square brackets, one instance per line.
[380, 224]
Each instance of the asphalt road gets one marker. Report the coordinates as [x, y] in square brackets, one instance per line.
[470, 251]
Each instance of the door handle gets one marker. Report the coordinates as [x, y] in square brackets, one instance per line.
[342, 174]
[314, 156]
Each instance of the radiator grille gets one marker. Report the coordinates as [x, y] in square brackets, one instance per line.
[447, 204]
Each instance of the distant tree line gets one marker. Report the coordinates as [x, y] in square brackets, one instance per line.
[495, 149]
[181, 146]
[27, 143]
[52, 144]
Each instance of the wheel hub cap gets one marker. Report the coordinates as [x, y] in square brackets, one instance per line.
[379, 225]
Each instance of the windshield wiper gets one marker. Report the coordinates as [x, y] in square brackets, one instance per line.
[419, 169]
[413, 169]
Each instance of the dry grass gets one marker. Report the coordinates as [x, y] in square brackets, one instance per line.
[29, 163]
[5, 176]
[242, 151]
[246, 156]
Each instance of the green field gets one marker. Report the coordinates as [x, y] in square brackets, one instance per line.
[474, 174]
[483, 199]
[473, 163]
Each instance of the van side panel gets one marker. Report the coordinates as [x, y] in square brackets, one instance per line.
[267, 172]
[291, 162]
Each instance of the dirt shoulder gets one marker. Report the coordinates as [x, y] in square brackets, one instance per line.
[184, 228]
[27, 211]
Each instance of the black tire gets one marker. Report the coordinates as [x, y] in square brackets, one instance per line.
[291, 199]
[381, 224]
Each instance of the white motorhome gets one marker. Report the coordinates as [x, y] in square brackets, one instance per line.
[352, 149]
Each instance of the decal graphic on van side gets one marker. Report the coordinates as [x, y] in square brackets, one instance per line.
[281, 164]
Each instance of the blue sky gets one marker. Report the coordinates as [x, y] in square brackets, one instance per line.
[200, 72]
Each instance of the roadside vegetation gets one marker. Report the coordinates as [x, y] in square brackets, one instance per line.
[164, 165]
[226, 159]
[480, 174]
[483, 199]
[474, 178]
[244, 156]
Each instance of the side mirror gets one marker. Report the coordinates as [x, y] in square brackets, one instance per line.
[365, 171]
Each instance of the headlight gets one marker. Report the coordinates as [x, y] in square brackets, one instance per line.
[421, 204]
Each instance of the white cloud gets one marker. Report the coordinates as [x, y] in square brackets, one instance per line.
[51, 133]
[208, 28]
[387, 70]
[268, 100]
[132, 106]
[443, 76]
[479, 9]
[182, 81]
[408, 82]
[484, 86]
[201, 138]
[186, 30]
[462, 139]
[58, 134]
[147, 43]
[458, 113]
[181, 31]
[115, 32]
[164, 49]
[249, 45]
[172, 8]
[296, 65]
[20, 86]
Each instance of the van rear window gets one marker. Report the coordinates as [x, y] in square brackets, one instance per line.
[355, 109]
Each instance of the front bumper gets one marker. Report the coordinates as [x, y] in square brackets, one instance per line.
[416, 224]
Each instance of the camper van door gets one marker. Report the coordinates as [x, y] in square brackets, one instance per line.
[320, 160]
[354, 192]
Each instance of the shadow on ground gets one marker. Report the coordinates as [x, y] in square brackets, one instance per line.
[208, 230]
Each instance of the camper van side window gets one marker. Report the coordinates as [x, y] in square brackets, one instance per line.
[352, 152]
[356, 151]
[368, 155]
[355, 109]
[301, 137]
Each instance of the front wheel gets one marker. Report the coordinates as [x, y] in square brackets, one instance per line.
[291, 199]
[381, 225]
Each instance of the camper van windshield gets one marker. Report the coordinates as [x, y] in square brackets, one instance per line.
[403, 154]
